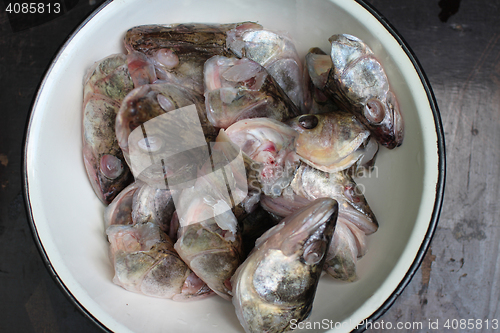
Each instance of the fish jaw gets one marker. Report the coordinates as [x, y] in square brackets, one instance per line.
[331, 141]
[342, 255]
[355, 218]
[278, 280]
[312, 184]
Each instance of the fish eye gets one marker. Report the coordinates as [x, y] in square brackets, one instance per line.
[111, 166]
[374, 111]
[308, 122]
[314, 252]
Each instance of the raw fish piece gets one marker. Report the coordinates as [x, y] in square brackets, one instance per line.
[141, 69]
[209, 213]
[105, 86]
[272, 145]
[162, 130]
[238, 89]
[119, 211]
[145, 262]
[333, 141]
[355, 218]
[317, 66]
[179, 51]
[275, 52]
[276, 284]
[359, 83]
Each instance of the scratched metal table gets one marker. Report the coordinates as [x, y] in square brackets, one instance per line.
[457, 44]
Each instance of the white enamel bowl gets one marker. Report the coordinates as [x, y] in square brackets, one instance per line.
[67, 218]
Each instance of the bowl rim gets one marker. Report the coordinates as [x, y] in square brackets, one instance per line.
[439, 190]
[441, 179]
[24, 165]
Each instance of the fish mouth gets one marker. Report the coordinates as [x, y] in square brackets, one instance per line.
[316, 219]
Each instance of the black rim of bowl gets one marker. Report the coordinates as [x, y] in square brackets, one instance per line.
[439, 186]
[441, 169]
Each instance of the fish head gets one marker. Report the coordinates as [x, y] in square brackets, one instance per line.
[294, 251]
[330, 141]
[236, 89]
[277, 282]
[304, 234]
[360, 84]
[276, 52]
[271, 144]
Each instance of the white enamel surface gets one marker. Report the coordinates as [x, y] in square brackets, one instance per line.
[68, 217]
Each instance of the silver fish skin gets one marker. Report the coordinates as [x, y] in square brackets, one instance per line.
[145, 262]
[277, 282]
[358, 82]
[238, 89]
[178, 51]
[105, 86]
[275, 52]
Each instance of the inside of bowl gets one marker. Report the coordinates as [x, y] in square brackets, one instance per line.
[68, 217]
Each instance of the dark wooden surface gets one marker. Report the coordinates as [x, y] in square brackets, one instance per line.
[458, 46]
